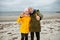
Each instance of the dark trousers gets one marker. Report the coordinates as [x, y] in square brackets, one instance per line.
[24, 36]
[37, 35]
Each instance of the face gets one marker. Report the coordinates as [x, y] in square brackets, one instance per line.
[30, 10]
[26, 13]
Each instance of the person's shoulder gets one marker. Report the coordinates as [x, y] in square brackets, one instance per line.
[36, 10]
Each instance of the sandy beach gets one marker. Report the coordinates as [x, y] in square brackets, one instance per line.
[50, 28]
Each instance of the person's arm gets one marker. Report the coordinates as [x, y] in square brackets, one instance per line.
[19, 20]
[39, 14]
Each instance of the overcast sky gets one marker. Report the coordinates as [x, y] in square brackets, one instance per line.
[19, 5]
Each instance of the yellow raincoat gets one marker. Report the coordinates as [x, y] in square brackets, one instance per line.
[25, 24]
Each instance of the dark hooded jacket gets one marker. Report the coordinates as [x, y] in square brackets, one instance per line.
[35, 24]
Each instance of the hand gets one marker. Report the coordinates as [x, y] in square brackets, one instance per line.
[38, 18]
[21, 15]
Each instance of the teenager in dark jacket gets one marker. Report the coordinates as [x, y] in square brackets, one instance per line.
[35, 26]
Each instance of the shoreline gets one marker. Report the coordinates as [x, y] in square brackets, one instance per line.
[14, 18]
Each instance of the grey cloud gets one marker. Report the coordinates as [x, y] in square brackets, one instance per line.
[13, 5]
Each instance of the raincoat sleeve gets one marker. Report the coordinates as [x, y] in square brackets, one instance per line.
[19, 19]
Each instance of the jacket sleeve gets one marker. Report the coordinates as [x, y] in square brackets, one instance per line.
[39, 14]
[19, 19]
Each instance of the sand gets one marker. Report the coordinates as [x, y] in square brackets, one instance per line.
[50, 28]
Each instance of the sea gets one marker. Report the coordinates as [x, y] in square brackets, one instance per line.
[16, 13]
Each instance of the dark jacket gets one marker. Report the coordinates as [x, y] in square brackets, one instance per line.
[35, 25]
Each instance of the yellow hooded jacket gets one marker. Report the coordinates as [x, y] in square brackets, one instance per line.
[25, 24]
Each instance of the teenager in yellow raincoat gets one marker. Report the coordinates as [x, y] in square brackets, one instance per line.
[24, 25]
